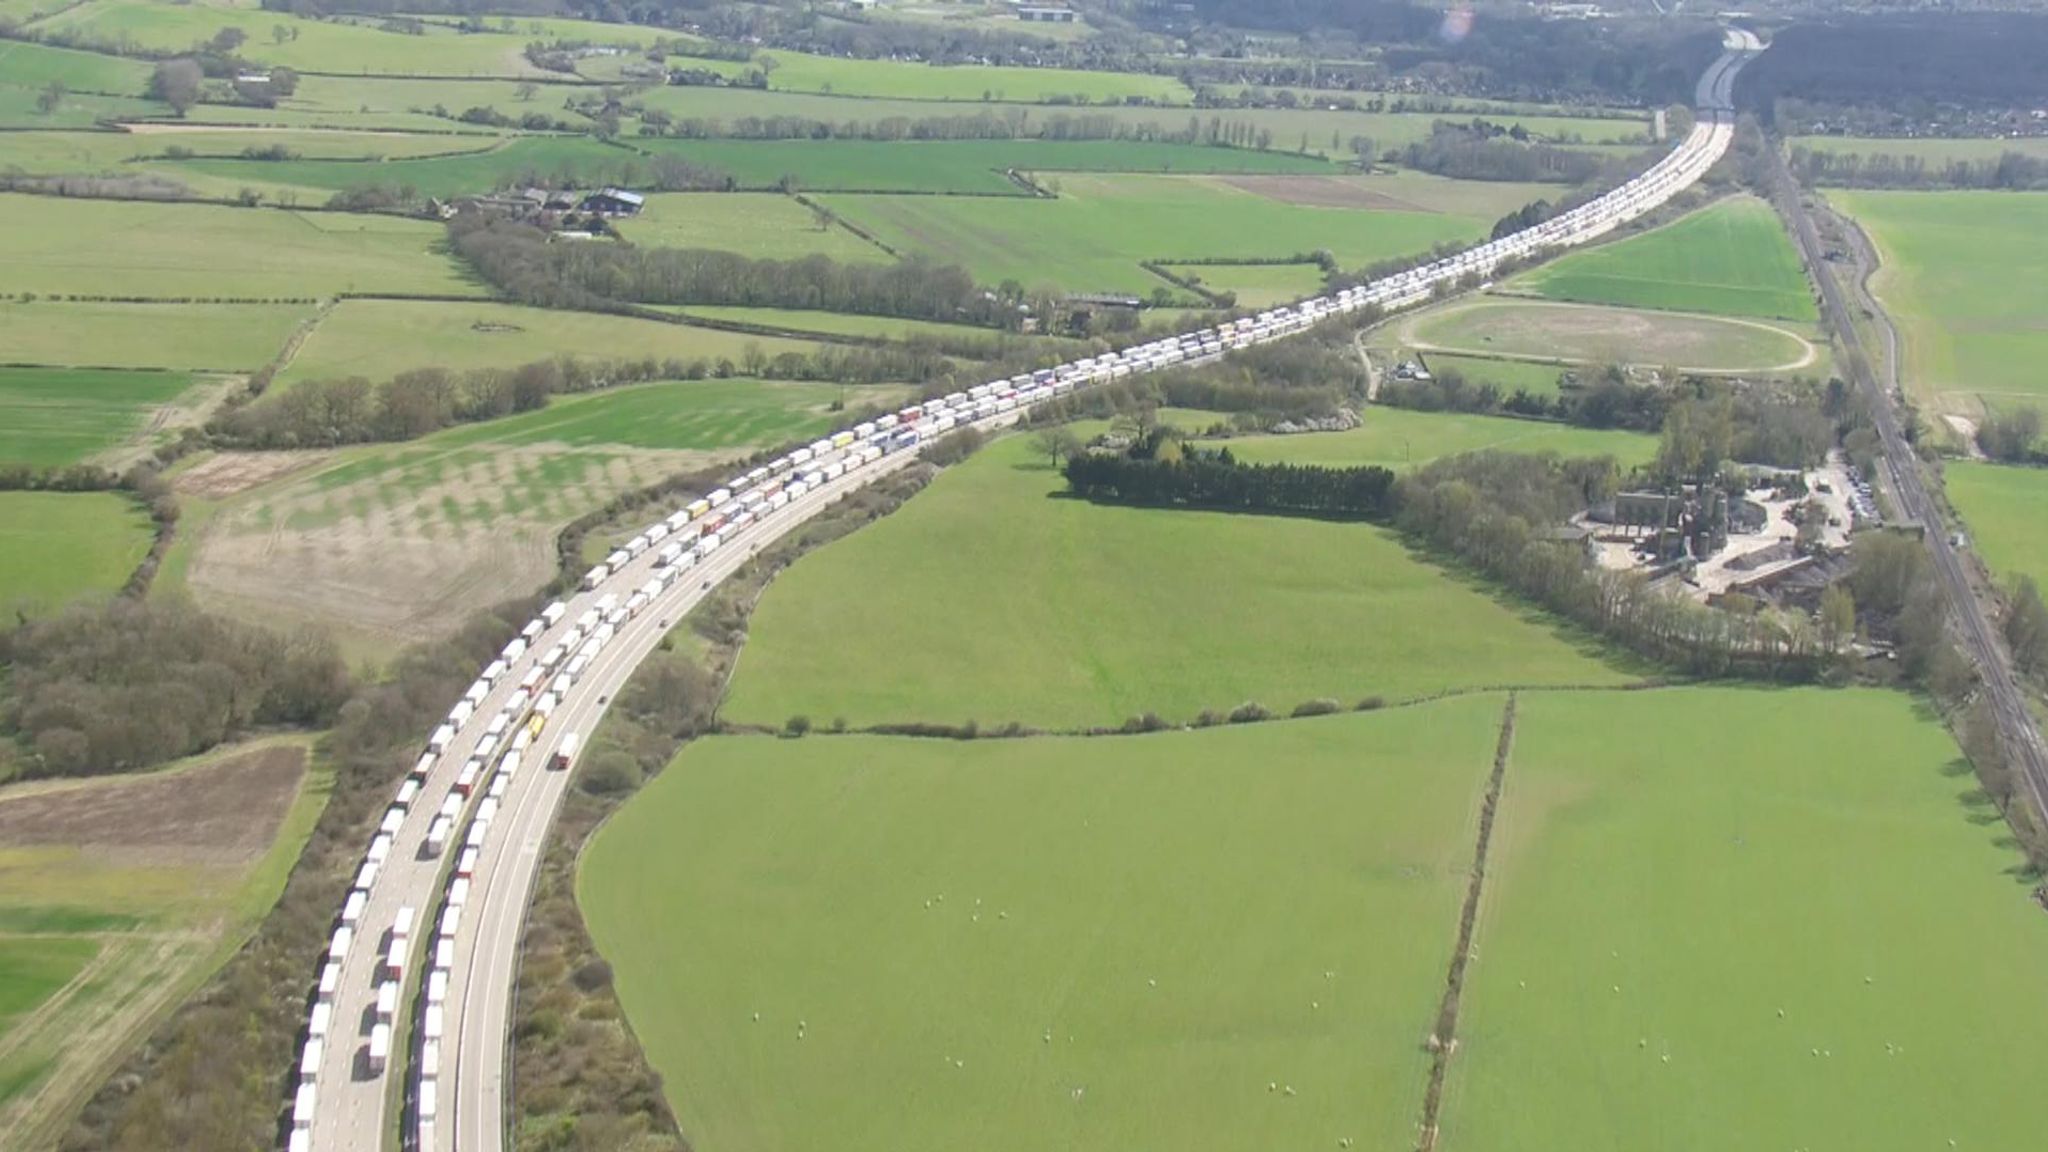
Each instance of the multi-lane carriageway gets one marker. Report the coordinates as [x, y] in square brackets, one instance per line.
[421, 969]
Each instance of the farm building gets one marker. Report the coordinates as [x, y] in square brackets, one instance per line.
[613, 202]
[1045, 14]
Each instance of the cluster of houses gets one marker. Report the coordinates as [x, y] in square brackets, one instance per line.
[558, 209]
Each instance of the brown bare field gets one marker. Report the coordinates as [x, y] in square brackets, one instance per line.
[228, 474]
[1320, 192]
[222, 814]
[150, 876]
[387, 545]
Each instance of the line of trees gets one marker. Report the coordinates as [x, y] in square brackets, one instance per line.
[2012, 436]
[2012, 171]
[517, 259]
[130, 684]
[1481, 150]
[353, 410]
[1194, 478]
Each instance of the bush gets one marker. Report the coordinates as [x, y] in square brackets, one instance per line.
[592, 975]
[1250, 712]
[1315, 708]
[797, 726]
[1372, 704]
[610, 773]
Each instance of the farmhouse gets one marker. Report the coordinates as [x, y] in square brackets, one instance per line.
[611, 202]
[1045, 14]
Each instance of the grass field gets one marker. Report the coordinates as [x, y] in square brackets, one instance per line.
[811, 935]
[841, 323]
[60, 547]
[97, 247]
[117, 895]
[1731, 258]
[904, 80]
[1509, 376]
[341, 45]
[54, 417]
[388, 543]
[126, 153]
[36, 66]
[762, 225]
[1314, 130]
[965, 166]
[1935, 152]
[1589, 334]
[1257, 285]
[2001, 509]
[1399, 439]
[1796, 897]
[19, 110]
[1093, 237]
[574, 159]
[380, 338]
[1964, 279]
[222, 337]
[1158, 611]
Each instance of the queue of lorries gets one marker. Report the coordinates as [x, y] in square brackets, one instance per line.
[552, 651]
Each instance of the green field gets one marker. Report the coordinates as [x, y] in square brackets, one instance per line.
[1093, 237]
[36, 66]
[1731, 258]
[904, 80]
[1935, 152]
[388, 543]
[1965, 277]
[842, 323]
[762, 225]
[520, 160]
[34, 967]
[223, 337]
[1509, 376]
[340, 45]
[18, 109]
[98, 247]
[1399, 439]
[693, 414]
[1305, 130]
[1257, 285]
[1797, 897]
[380, 338]
[127, 153]
[59, 547]
[53, 417]
[1565, 334]
[966, 166]
[2002, 511]
[923, 618]
[1238, 942]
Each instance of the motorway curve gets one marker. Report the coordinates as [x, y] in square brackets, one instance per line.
[446, 1014]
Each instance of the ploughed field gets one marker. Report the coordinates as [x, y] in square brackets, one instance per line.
[1731, 258]
[1965, 278]
[993, 598]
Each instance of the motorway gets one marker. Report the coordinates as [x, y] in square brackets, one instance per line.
[457, 1026]
[2019, 736]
